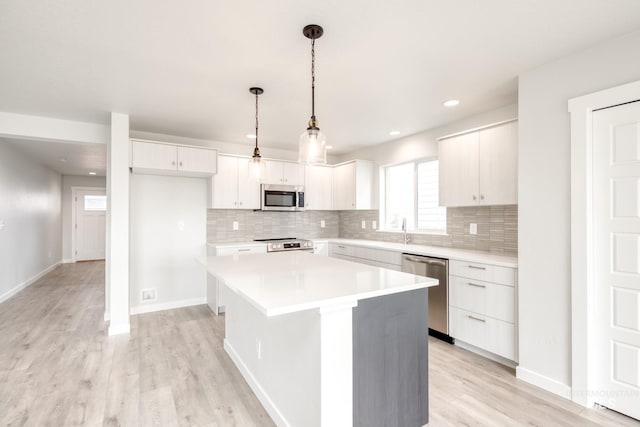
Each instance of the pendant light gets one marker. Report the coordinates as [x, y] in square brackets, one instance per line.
[312, 141]
[256, 164]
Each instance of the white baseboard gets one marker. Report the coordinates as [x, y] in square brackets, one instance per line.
[266, 401]
[150, 308]
[27, 282]
[68, 261]
[123, 328]
[545, 383]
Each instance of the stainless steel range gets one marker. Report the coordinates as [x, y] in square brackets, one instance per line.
[287, 244]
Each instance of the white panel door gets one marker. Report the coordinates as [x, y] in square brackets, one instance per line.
[616, 264]
[197, 160]
[498, 165]
[149, 155]
[318, 188]
[273, 172]
[459, 172]
[90, 227]
[293, 173]
[224, 185]
[344, 187]
[248, 188]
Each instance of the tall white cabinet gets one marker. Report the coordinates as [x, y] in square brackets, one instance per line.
[480, 167]
[355, 185]
[232, 187]
[318, 188]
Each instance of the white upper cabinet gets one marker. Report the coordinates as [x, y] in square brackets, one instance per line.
[355, 185]
[172, 159]
[231, 187]
[284, 173]
[318, 189]
[480, 168]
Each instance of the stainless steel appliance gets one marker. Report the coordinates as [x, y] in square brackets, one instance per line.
[282, 197]
[436, 268]
[287, 244]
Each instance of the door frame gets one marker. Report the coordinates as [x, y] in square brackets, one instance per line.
[582, 248]
[74, 202]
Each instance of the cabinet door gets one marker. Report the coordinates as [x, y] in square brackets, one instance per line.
[200, 161]
[499, 165]
[344, 186]
[293, 173]
[273, 172]
[224, 184]
[149, 155]
[318, 188]
[248, 188]
[459, 165]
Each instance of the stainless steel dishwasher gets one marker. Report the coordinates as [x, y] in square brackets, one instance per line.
[437, 268]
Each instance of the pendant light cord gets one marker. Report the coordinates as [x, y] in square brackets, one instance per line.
[313, 78]
[256, 119]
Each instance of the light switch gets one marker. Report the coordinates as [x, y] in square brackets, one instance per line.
[473, 228]
[322, 223]
[236, 226]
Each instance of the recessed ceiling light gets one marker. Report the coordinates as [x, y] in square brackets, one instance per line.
[394, 132]
[329, 147]
[451, 103]
[92, 173]
[63, 159]
[251, 135]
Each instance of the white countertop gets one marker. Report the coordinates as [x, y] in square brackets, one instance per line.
[287, 282]
[435, 251]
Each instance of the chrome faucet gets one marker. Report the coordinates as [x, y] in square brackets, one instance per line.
[407, 238]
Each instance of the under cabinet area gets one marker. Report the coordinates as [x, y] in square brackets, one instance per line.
[480, 167]
[482, 306]
[172, 159]
[232, 187]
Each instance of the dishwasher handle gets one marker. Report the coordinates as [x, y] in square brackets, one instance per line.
[424, 260]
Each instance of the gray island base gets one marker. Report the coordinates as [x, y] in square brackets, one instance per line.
[323, 352]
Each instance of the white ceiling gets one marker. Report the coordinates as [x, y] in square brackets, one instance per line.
[184, 68]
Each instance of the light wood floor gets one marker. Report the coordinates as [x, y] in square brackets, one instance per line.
[58, 368]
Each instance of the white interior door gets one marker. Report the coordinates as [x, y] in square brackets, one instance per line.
[91, 210]
[616, 264]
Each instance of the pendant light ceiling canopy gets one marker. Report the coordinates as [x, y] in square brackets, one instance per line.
[257, 167]
[312, 147]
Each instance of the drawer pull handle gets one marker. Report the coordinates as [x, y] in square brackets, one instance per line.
[341, 247]
[244, 250]
[476, 285]
[476, 318]
[477, 267]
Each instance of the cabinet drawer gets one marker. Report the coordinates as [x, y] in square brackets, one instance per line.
[340, 249]
[379, 255]
[240, 250]
[484, 272]
[489, 334]
[489, 299]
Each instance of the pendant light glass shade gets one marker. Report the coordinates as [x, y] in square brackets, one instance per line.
[313, 143]
[313, 147]
[256, 168]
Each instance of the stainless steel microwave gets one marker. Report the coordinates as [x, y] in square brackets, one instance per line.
[282, 197]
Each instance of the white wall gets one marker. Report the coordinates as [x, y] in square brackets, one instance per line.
[30, 208]
[168, 230]
[425, 144]
[69, 181]
[544, 200]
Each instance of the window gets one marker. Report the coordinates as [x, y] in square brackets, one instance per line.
[411, 192]
[95, 203]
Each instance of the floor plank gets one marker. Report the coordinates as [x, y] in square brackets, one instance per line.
[58, 367]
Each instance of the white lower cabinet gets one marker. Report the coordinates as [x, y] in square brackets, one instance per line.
[482, 306]
[321, 248]
[369, 256]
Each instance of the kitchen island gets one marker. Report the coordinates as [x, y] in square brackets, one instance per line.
[327, 342]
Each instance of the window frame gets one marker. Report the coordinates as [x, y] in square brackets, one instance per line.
[411, 228]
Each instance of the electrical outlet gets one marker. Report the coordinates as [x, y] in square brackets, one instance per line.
[236, 226]
[148, 294]
[473, 228]
[374, 225]
[364, 225]
[259, 349]
[322, 223]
